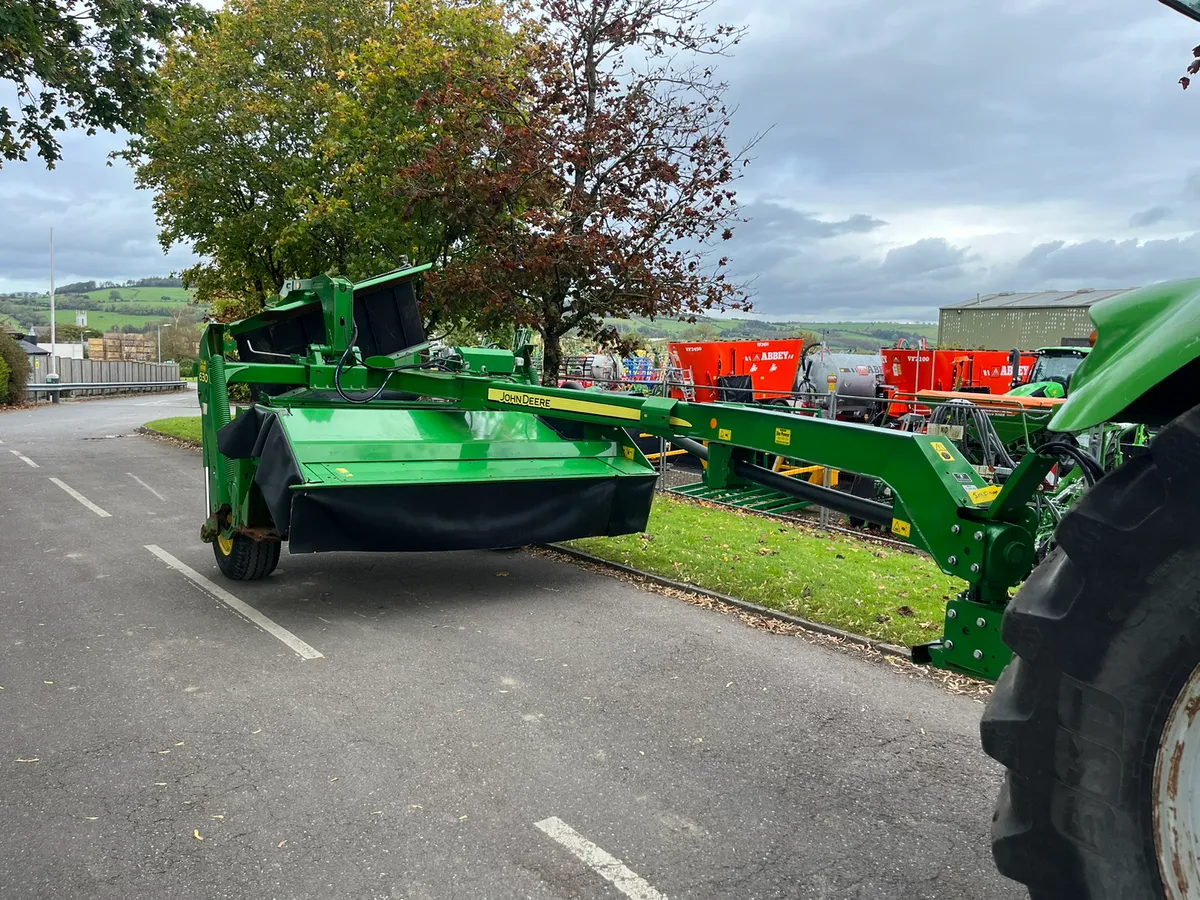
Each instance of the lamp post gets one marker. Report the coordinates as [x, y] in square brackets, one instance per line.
[160, 328]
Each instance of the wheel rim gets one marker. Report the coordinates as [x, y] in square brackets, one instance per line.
[225, 543]
[1177, 795]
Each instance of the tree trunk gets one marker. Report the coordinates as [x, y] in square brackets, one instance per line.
[551, 358]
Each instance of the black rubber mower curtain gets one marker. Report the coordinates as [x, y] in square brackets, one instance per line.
[459, 515]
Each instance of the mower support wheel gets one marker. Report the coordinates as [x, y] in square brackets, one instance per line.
[1094, 717]
[241, 558]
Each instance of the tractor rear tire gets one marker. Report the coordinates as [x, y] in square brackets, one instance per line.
[1089, 718]
[241, 558]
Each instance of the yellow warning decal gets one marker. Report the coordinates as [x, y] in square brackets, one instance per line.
[530, 400]
[541, 402]
[941, 451]
[724, 434]
[902, 528]
[982, 496]
[783, 436]
[628, 452]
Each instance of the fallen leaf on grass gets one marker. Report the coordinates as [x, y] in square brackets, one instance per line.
[905, 611]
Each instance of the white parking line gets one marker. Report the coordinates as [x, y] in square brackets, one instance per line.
[303, 650]
[146, 486]
[82, 499]
[24, 459]
[600, 861]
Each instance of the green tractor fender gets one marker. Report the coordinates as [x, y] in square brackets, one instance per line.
[1144, 365]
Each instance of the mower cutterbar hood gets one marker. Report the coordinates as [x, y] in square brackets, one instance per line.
[434, 479]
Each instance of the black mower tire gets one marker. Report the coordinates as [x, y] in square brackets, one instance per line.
[245, 559]
[1105, 633]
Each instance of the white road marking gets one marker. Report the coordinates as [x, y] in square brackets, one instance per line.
[600, 861]
[24, 459]
[303, 650]
[147, 487]
[82, 499]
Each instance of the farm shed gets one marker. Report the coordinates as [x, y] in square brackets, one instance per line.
[1023, 320]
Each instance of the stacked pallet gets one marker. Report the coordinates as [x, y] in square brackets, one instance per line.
[117, 346]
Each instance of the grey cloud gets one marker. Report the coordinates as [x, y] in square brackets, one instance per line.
[103, 227]
[1151, 216]
[1111, 263]
[909, 282]
[778, 222]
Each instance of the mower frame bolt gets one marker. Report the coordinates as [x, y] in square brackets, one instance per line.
[978, 654]
[981, 622]
[951, 613]
[974, 567]
[954, 529]
[953, 560]
[949, 645]
[979, 535]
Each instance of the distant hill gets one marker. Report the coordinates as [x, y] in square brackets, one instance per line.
[844, 336]
[108, 308]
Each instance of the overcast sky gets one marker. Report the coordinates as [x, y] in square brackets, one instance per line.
[915, 157]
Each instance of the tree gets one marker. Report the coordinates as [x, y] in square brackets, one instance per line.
[593, 180]
[278, 132]
[82, 64]
[17, 364]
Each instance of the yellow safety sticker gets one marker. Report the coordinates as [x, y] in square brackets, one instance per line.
[628, 452]
[345, 472]
[902, 528]
[941, 451]
[724, 434]
[984, 495]
[783, 436]
[530, 400]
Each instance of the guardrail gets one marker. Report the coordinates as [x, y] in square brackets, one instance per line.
[104, 385]
[55, 390]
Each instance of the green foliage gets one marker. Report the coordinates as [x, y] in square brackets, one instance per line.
[887, 594]
[278, 133]
[86, 64]
[17, 364]
[3, 380]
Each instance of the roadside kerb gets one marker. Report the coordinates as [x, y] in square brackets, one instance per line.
[799, 622]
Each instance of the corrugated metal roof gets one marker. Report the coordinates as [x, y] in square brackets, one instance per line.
[1037, 299]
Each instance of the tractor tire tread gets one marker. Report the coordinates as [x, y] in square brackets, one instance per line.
[1068, 821]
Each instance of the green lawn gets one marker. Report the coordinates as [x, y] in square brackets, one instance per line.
[185, 428]
[838, 580]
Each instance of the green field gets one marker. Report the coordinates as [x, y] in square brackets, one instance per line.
[113, 309]
[105, 321]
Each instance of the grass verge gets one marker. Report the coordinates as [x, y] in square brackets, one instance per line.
[183, 428]
[887, 594]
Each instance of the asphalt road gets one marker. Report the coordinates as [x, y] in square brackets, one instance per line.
[154, 743]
